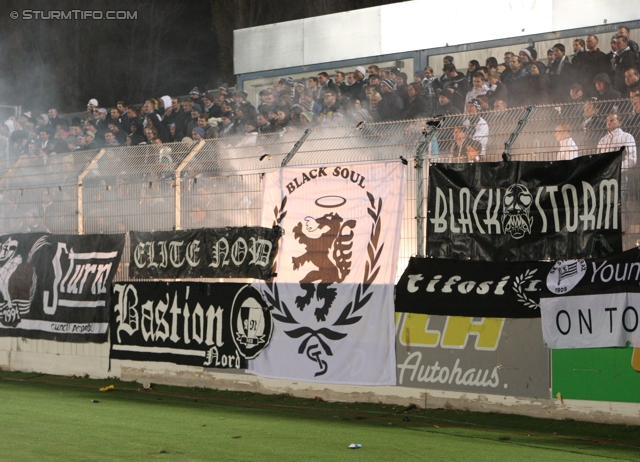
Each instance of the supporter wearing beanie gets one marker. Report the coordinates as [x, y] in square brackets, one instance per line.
[197, 134]
[391, 107]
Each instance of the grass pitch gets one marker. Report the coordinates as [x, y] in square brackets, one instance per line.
[47, 418]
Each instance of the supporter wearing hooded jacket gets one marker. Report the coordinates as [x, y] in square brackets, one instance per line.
[417, 107]
[446, 106]
[324, 84]
[340, 82]
[497, 90]
[402, 88]
[91, 142]
[196, 111]
[613, 55]
[177, 116]
[539, 84]
[121, 137]
[480, 87]
[592, 127]
[136, 134]
[264, 126]
[357, 88]
[391, 107]
[54, 120]
[579, 59]
[267, 101]
[100, 123]
[625, 60]
[430, 87]
[446, 60]
[603, 90]
[525, 58]
[46, 142]
[533, 58]
[210, 107]
[332, 110]
[623, 31]
[227, 127]
[457, 148]
[455, 83]
[560, 76]
[195, 96]
[518, 84]
[471, 69]
[595, 62]
[153, 120]
[163, 105]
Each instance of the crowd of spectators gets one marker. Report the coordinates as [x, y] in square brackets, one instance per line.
[362, 95]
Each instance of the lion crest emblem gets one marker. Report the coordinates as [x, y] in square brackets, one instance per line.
[328, 241]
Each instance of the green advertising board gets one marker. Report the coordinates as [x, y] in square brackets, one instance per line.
[598, 374]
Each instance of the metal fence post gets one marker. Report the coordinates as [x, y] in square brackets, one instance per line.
[427, 136]
[81, 178]
[295, 148]
[506, 155]
[177, 193]
[10, 170]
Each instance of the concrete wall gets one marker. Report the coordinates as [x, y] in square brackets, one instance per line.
[18, 354]
[414, 25]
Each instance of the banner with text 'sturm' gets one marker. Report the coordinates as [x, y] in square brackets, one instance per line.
[57, 287]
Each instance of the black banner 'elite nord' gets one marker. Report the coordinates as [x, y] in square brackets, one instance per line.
[510, 211]
[197, 324]
[246, 252]
[471, 288]
[57, 287]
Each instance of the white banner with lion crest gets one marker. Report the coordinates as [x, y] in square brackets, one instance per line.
[333, 293]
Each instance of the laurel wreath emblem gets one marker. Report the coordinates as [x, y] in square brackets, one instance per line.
[347, 316]
[518, 282]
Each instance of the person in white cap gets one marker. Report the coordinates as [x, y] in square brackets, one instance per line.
[526, 59]
[165, 103]
[92, 104]
[101, 123]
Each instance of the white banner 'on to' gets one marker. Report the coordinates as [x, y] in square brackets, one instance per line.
[591, 321]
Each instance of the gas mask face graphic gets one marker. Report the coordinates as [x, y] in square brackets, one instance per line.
[8, 249]
[515, 211]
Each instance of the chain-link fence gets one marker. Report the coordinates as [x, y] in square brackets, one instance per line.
[218, 183]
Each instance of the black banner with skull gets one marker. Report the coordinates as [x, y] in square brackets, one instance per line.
[246, 252]
[57, 287]
[471, 288]
[523, 211]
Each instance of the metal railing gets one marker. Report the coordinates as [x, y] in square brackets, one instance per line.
[218, 182]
